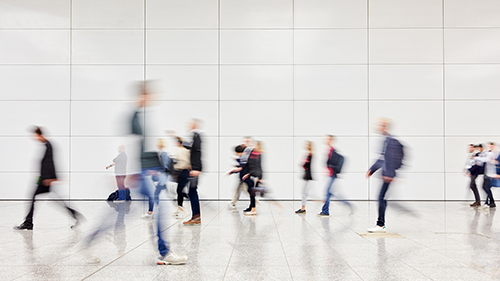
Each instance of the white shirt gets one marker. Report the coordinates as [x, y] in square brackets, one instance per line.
[489, 159]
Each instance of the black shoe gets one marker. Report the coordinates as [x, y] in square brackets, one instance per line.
[247, 210]
[300, 211]
[323, 214]
[493, 205]
[24, 226]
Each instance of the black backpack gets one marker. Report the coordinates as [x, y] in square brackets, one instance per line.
[114, 195]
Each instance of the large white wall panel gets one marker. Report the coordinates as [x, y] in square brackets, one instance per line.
[35, 14]
[107, 47]
[258, 124]
[256, 47]
[34, 82]
[406, 46]
[181, 47]
[315, 118]
[406, 82]
[471, 13]
[108, 14]
[101, 118]
[256, 82]
[175, 115]
[330, 82]
[410, 118]
[330, 14]
[34, 46]
[182, 14]
[405, 13]
[105, 82]
[182, 82]
[456, 119]
[480, 81]
[256, 14]
[27, 114]
[423, 154]
[472, 45]
[338, 46]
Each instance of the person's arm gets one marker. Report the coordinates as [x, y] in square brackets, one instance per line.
[110, 165]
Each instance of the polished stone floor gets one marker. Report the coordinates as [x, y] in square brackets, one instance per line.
[441, 241]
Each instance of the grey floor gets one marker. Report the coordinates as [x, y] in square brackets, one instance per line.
[442, 241]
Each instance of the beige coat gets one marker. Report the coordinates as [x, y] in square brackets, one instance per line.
[183, 161]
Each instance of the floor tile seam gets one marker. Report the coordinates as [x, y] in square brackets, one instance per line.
[234, 246]
[281, 242]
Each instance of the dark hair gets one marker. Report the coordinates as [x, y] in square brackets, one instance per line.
[38, 131]
[472, 145]
[239, 149]
[492, 143]
[480, 145]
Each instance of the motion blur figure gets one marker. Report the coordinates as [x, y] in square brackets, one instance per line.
[390, 160]
[253, 178]
[306, 165]
[120, 164]
[150, 165]
[489, 159]
[472, 170]
[334, 164]
[47, 177]
[181, 171]
[242, 152]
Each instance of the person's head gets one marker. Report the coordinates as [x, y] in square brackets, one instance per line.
[492, 146]
[121, 148]
[471, 148]
[329, 140]
[383, 125]
[258, 146]
[194, 124]
[238, 150]
[480, 147]
[309, 146]
[38, 134]
[160, 144]
[247, 141]
[143, 94]
[179, 141]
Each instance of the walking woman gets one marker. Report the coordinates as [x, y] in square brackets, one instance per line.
[307, 176]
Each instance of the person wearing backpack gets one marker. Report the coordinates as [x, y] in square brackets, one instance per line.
[334, 164]
[391, 159]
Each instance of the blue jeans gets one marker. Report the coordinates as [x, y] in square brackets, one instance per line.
[146, 189]
[161, 185]
[382, 204]
[487, 188]
[329, 193]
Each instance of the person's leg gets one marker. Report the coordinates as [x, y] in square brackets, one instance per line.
[473, 187]
[120, 182]
[39, 190]
[160, 217]
[326, 206]
[237, 193]
[304, 194]
[193, 198]
[250, 184]
[382, 204]
[487, 189]
[182, 181]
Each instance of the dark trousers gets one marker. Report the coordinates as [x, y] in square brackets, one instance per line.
[182, 181]
[120, 182]
[40, 190]
[250, 183]
[487, 188]
[382, 204]
[193, 197]
[473, 187]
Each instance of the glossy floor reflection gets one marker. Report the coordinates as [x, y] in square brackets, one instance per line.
[443, 241]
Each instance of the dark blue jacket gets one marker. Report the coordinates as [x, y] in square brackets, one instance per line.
[390, 159]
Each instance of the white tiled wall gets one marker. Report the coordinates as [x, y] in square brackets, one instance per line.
[283, 71]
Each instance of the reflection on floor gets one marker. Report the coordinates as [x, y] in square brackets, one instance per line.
[443, 241]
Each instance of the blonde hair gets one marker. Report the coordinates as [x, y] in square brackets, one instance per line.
[160, 143]
[310, 147]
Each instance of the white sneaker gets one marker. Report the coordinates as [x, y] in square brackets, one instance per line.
[171, 258]
[93, 260]
[376, 229]
[231, 206]
[486, 206]
[250, 213]
[147, 216]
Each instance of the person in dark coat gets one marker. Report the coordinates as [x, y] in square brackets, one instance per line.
[47, 177]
